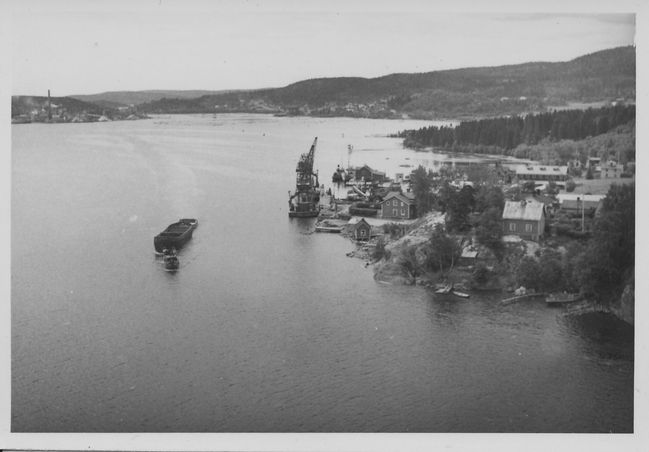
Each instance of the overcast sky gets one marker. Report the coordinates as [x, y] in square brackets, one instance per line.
[75, 47]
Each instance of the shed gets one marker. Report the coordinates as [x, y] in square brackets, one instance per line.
[362, 230]
[468, 256]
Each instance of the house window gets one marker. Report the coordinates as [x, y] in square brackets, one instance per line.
[512, 226]
[403, 213]
[395, 212]
[362, 231]
[402, 204]
[528, 227]
[394, 203]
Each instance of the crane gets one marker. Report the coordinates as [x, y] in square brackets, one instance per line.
[305, 201]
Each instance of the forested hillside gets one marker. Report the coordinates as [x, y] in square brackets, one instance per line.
[471, 92]
[125, 98]
[509, 132]
[554, 137]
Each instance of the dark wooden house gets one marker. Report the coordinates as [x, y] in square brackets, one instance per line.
[369, 175]
[362, 230]
[398, 206]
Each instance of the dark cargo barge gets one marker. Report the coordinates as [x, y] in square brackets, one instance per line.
[176, 235]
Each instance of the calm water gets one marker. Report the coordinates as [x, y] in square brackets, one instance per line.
[266, 327]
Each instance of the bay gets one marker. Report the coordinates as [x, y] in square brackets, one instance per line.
[266, 327]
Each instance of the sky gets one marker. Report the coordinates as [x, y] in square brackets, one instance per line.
[85, 47]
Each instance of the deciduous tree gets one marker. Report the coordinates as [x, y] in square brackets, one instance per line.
[489, 231]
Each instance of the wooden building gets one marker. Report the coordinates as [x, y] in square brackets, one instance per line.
[525, 219]
[369, 175]
[362, 230]
[575, 202]
[542, 173]
[398, 206]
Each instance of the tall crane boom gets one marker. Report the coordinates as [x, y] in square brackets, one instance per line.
[304, 169]
[305, 202]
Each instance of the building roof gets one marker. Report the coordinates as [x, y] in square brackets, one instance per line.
[407, 198]
[523, 210]
[469, 253]
[360, 223]
[371, 170]
[579, 197]
[542, 170]
[545, 199]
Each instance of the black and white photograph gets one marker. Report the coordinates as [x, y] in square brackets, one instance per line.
[296, 225]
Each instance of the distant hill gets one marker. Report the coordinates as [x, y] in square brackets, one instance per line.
[470, 92]
[24, 105]
[123, 98]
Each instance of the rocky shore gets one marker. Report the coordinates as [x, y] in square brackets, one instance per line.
[388, 266]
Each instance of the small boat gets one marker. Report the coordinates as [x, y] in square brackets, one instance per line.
[561, 298]
[444, 289]
[175, 235]
[171, 262]
[457, 293]
[170, 259]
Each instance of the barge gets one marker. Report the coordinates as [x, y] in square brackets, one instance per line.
[175, 235]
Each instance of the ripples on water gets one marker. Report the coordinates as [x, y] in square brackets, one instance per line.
[266, 327]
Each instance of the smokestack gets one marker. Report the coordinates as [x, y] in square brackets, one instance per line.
[49, 106]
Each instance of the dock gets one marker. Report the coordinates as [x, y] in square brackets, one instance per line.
[561, 299]
[517, 298]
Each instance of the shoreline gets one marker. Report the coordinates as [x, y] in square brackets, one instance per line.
[388, 271]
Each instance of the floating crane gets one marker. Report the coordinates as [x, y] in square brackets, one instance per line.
[305, 202]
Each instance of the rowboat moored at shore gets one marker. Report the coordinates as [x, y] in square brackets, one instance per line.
[444, 289]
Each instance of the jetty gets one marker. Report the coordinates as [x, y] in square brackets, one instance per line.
[522, 297]
[556, 299]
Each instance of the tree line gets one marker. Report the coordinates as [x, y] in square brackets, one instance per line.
[507, 133]
[600, 267]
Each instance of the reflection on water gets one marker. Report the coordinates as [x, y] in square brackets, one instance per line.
[602, 334]
[266, 327]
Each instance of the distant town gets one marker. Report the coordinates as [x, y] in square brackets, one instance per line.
[30, 109]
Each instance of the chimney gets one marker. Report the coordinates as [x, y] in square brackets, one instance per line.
[49, 106]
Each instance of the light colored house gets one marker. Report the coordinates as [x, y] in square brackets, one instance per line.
[542, 173]
[398, 206]
[610, 169]
[525, 219]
